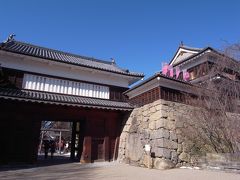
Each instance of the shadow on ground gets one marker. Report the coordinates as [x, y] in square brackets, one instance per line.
[57, 168]
[41, 162]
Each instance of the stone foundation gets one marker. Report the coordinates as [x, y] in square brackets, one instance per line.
[156, 124]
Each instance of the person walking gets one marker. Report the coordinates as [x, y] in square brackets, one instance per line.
[52, 148]
[46, 148]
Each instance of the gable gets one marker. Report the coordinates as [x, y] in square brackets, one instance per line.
[183, 53]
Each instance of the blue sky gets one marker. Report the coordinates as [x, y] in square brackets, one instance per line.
[138, 34]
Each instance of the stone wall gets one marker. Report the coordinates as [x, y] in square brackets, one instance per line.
[156, 124]
[159, 124]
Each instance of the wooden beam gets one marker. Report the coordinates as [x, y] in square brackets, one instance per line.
[63, 130]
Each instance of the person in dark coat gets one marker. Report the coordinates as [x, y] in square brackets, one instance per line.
[52, 148]
[46, 148]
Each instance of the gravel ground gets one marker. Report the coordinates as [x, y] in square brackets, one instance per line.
[109, 171]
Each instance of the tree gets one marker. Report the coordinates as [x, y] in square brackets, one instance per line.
[215, 121]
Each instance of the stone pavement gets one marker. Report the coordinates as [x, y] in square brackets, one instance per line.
[108, 171]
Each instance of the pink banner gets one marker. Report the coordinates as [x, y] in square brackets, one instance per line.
[186, 75]
[170, 68]
[177, 72]
[165, 69]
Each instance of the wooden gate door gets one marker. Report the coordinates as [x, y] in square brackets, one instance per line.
[98, 133]
[98, 149]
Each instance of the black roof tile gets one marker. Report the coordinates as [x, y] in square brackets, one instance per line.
[61, 99]
[158, 74]
[59, 56]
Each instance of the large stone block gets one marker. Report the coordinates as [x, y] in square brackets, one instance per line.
[184, 157]
[156, 103]
[187, 146]
[147, 161]
[139, 119]
[160, 143]
[145, 113]
[122, 144]
[123, 136]
[174, 156]
[179, 132]
[160, 133]
[173, 136]
[166, 143]
[146, 110]
[163, 163]
[145, 119]
[134, 120]
[126, 128]
[165, 133]
[162, 152]
[139, 111]
[163, 114]
[152, 135]
[170, 115]
[155, 116]
[158, 107]
[165, 107]
[134, 148]
[133, 129]
[152, 109]
[179, 149]
[179, 123]
[173, 145]
[171, 125]
[144, 125]
[152, 125]
[145, 134]
[161, 123]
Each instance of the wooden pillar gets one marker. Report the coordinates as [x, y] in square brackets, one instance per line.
[36, 132]
[73, 140]
[87, 150]
[106, 148]
[81, 139]
[60, 142]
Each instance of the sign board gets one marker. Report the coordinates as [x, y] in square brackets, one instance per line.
[147, 148]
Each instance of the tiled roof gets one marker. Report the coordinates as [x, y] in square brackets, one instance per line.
[54, 55]
[60, 99]
[182, 48]
[191, 48]
[158, 74]
[194, 55]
